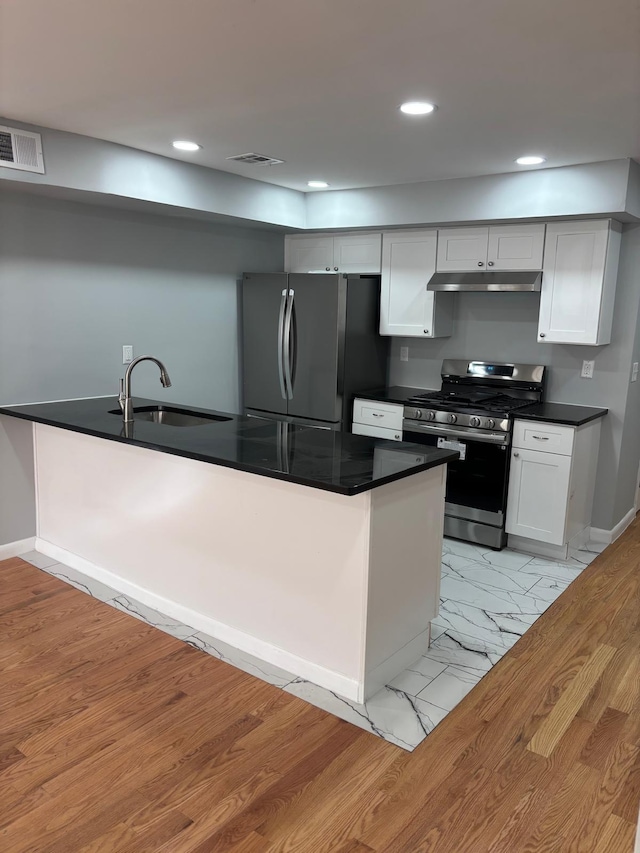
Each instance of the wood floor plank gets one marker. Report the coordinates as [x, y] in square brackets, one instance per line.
[116, 737]
[618, 836]
[604, 738]
[627, 804]
[599, 804]
[626, 696]
[555, 725]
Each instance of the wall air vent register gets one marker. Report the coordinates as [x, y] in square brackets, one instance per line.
[256, 159]
[20, 149]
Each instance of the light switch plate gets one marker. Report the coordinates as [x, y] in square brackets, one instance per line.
[404, 353]
[587, 369]
[634, 372]
[127, 354]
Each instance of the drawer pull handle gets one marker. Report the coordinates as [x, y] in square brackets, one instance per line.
[376, 415]
[541, 437]
[398, 436]
[516, 455]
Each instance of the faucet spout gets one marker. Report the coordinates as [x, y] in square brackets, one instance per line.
[124, 397]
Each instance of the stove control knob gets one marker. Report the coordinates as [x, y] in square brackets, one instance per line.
[475, 422]
[453, 419]
[431, 416]
[417, 414]
[491, 423]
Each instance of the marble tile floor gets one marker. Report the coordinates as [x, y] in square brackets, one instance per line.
[489, 599]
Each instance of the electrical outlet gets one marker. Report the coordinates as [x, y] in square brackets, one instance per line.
[127, 354]
[634, 372]
[587, 369]
[404, 353]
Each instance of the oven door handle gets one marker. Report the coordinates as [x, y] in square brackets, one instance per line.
[409, 426]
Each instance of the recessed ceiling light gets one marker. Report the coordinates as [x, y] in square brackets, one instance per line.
[417, 108]
[530, 160]
[318, 185]
[184, 145]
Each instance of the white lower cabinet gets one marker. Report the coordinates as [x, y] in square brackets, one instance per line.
[538, 490]
[377, 419]
[376, 432]
[407, 308]
[552, 482]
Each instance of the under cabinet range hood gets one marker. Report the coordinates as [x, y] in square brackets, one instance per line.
[491, 282]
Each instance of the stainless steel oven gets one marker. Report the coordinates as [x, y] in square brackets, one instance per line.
[476, 497]
[472, 413]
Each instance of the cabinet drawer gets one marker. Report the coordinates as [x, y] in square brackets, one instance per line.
[371, 412]
[550, 438]
[377, 432]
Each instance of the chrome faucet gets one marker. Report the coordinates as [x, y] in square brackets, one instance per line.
[124, 397]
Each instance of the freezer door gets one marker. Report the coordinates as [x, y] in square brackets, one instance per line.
[264, 302]
[314, 344]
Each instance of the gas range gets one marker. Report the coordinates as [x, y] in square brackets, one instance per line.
[473, 414]
[478, 395]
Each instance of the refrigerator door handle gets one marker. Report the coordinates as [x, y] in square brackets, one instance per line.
[287, 345]
[283, 304]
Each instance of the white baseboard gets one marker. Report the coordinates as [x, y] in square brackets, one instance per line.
[331, 680]
[16, 549]
[609, 536]
[540, 549]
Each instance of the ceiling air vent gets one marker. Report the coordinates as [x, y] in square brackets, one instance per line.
[256, 159]
[20, 149]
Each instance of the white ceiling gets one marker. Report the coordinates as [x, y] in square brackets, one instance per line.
[318, 82]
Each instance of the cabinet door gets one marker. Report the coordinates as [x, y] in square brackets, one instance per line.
[408, 262]
[572, 282]
[357, 253]
[309, 254]
[515, 247]
[461, 249]
[538, 495]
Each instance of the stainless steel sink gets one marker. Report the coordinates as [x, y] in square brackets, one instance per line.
[171, 416]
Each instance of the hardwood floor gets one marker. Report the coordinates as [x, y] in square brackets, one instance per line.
[116, 738]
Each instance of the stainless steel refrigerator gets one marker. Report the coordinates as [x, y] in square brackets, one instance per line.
[309, 343]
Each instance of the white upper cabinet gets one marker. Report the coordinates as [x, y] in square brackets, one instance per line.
[578, 282]
[407, 308]
[515, 247]
[499, 247]
[349, 253]
[461, 249]
[357, 253]
[309, 254]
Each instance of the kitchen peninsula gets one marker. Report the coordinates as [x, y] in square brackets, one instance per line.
[317, 551]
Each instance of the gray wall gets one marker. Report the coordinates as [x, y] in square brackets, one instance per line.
[601, 189]
[75, 162]
[17, 492]
[79, 281]
[107, 171]
[503, 327]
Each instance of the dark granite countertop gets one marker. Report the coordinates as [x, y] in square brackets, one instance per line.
[323, 459]
[393, 394]
[560, 413]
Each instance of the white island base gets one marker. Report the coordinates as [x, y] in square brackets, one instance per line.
[339, 590]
